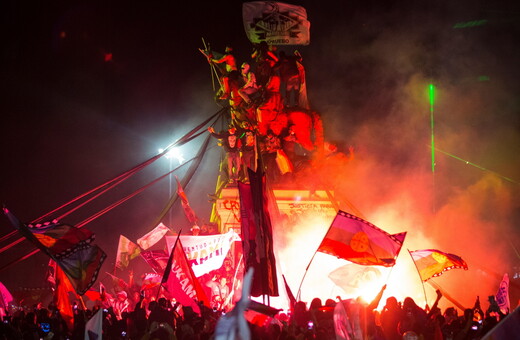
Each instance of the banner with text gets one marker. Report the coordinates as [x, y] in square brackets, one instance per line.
[205, 253]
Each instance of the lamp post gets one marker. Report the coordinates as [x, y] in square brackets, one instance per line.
[172, 154]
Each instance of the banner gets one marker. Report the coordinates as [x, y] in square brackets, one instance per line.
[257, 234]
[354, 239]
[205, 253]
[153, 236]
[276, 23]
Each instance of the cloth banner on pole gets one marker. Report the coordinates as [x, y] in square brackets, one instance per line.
[354, 239]
[182, 283]
[257, 234]
[153, 236]
[157, 259]
[188, 211]
[502, 296]
[5, 299]
[432, 262]
[276, 23]
[94, 326]
[205, 253]
[126, 251]
[70, 247]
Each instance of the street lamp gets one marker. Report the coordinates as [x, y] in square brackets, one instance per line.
[173, 153]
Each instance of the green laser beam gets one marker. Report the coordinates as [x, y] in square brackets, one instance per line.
[432, 102]
[478, 166]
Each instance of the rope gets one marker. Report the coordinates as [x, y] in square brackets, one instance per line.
[116, 180]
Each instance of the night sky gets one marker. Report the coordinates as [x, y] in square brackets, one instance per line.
[93, 88]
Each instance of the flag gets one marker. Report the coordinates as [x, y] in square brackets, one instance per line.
[153, 236]
[234, 325]
[206, 253]
[433, 262]
[94, 326]
[257, 235]
[64, 289]
[290, 295]
[5, 299]
[126, 251]
[347, 320]
[352, 277]
[118, 281]
[188, 211]
[157, 259]
[276, 23]
[70, 247]
[502, 296]
[356, 240]
[151, 280]
[180, 281]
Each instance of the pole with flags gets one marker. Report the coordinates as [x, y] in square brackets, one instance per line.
[422, 282]
[353, 239]
[168, 269]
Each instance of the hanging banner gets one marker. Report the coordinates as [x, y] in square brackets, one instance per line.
[276, 23]
[205, 253]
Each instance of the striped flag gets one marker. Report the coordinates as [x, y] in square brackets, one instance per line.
[354, 239]
[70, 247]
[432, 262]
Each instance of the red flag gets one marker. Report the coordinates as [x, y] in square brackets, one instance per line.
[126, 251]
[157, 259]
[188, 211]
[182, 283]
[257, 235]
[356, 240]
[63, 288]
[433, 262]
[118, 281]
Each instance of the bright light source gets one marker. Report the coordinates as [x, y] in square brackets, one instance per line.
[174, 153]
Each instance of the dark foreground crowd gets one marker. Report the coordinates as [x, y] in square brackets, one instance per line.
[348, 319]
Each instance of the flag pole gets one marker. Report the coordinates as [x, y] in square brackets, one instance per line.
[298, 295]
[168, 268]
[418, 272]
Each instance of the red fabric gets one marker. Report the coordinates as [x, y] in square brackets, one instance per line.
[63, 288]
[182, 284]
[188, 211]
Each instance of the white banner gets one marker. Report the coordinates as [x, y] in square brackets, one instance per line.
[153, 236]
[276, 23]
[205, 253]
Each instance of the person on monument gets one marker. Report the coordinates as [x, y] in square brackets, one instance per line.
[264, 57]
[230, 65]
[249, 79]
[231, 145]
